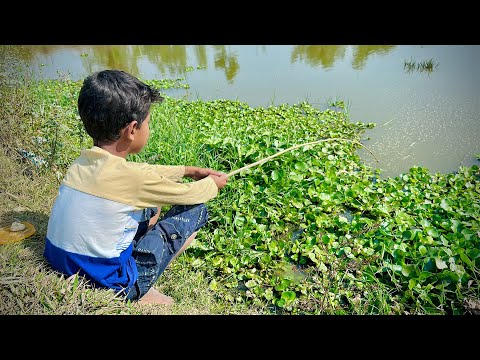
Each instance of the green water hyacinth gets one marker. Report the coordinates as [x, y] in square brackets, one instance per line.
[313, 231]
[393, 239]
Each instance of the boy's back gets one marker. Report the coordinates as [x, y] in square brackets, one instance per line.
[106, 206]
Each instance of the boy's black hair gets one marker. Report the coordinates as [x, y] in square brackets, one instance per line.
[110, 99]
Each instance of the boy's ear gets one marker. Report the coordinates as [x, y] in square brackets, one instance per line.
[130, 129]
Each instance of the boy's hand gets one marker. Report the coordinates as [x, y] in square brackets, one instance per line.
[220, 180]
[197, 173]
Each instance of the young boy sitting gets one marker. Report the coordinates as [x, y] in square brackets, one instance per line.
[104, 224]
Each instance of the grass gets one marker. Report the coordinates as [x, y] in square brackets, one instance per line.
[422, 66]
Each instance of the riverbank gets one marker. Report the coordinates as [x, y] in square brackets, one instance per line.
[314, 231]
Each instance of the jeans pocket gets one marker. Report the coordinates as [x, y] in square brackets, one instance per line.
[170, 231]
[173, 237]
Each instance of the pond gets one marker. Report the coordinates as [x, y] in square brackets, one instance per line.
[424, 99]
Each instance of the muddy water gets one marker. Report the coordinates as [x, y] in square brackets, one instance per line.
[429, 118]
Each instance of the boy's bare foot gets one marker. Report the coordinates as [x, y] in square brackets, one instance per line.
[154, 297]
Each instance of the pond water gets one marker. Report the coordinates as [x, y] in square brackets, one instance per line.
[424, 99]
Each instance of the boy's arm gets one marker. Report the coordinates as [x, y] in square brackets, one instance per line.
[197, 173]
[177, 172]
[172, 172]
[157, 190]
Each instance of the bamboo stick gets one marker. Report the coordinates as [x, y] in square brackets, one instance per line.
[293, 148]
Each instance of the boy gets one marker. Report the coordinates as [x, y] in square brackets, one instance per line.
[104, 222]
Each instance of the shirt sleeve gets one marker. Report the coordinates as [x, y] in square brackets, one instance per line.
[172, 172]
[141, 185]
[158, 190]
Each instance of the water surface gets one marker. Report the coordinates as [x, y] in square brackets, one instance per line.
[425, 118]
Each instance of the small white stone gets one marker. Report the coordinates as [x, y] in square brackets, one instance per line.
[17, 226]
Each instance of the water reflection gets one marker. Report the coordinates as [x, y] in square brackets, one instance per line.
[361, 53]
[327, 55]
[324, 55]
[169, 60]
[112, 57]
[172, 60]
[225, 59]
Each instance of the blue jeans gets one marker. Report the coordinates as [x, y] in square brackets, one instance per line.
[154, 249]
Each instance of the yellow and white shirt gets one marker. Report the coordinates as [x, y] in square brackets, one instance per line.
[99, 205]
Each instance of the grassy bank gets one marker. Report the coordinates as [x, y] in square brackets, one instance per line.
[313, 231]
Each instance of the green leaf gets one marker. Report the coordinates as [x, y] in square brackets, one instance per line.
[273, 246]
[422, 249]
[428, 265]
[466, 259]
[266, 258]
[425, 274]
[322, 267]
[301, 166]
[271, 151]
[239, 220]
[432, 232]
[275, 175]
[324, 196]
[407, 269]
[296, 177]
[342, 219]
[407, 235]
[445, 206]
[469, 234]
[268, 294]
[288, 295]
[297, 203]
[312, 257]
[283, 285]
[397, 268]
[412, 283]
[213, 285]
[217, 260]
[197, 262]
[325, 239]
[456, 226]
[425, 223]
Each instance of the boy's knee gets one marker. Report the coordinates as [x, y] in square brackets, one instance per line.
[202, 216]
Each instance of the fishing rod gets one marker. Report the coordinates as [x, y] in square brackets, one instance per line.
[293, 148]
